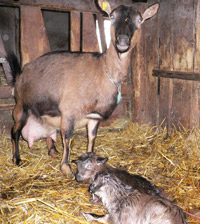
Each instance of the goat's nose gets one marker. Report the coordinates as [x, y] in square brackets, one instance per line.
[123, 39]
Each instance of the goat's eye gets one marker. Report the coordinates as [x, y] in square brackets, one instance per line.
[140, 20]
[112, 17]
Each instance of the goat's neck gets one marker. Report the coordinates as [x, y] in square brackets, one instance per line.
[117, 64]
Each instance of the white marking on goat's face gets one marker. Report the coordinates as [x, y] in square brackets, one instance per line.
[124, 22]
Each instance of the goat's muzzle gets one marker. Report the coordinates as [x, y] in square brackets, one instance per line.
[122, 43]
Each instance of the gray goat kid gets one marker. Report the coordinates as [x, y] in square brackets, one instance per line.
[129, 206]
[90, 164]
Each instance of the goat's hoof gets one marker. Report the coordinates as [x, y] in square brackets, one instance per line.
[67, 170]
[53, 152]
[16, 161]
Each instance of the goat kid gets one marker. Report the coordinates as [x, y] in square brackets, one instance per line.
[63, 91]
[130, 206]
[90, 164]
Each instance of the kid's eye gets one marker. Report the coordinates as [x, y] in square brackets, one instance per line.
[112, 17]
[140, 20]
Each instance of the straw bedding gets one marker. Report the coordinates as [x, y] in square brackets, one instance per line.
[37, 191]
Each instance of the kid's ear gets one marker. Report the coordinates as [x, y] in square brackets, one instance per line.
[105, 6]
[151, 11]
[101, 160]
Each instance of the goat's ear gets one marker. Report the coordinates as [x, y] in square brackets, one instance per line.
[151, 11]
[101, 160]
[105, 6]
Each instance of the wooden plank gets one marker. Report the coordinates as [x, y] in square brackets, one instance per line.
[34, 40]
[150, 34]
[102, 33]
[195, 93]
[6, 92]
[194, 76]
[89, 37]
[6, 66]
[75, 31]
[138, 76]
[165, 86]
[183, 61]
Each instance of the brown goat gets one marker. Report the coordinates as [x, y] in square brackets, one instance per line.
[130, 206]
[90, 164]
[63, 91]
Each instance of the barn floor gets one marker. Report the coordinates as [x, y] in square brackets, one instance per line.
[37, 191]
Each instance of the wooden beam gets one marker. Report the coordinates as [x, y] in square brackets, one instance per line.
[193, 76]
[69, 5]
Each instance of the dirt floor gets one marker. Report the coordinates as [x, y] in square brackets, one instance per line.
[37, 191]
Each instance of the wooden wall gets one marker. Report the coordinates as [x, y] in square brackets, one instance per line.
[170, 45]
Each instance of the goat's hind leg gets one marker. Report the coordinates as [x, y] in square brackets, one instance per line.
[20, 118]
[51, 147]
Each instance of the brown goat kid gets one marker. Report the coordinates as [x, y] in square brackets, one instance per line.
[63, 91]
[129, 206]
[90, 164]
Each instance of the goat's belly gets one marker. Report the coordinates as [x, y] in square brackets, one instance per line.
[36, 129]
[47, 126]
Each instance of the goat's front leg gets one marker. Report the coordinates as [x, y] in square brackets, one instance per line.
[92, 133]
[67, 128]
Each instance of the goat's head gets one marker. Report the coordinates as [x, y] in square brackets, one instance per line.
[126, 23]
[88, 165]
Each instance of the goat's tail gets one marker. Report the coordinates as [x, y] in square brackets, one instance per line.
[15, 67]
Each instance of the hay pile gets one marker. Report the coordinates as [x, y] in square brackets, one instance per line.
[37, 192]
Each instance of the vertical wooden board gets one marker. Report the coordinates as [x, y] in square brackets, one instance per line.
[166, 21]
[138, 76]
[195, 93]
[75, 31]
[150, 34]
[183, 60]
[101, 30]
[34, 40]
[89, 37]
[139, 84]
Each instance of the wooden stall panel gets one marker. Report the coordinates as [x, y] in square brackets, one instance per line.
[34, 41]
[176, 53]
[89, 37]
[75, 31]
